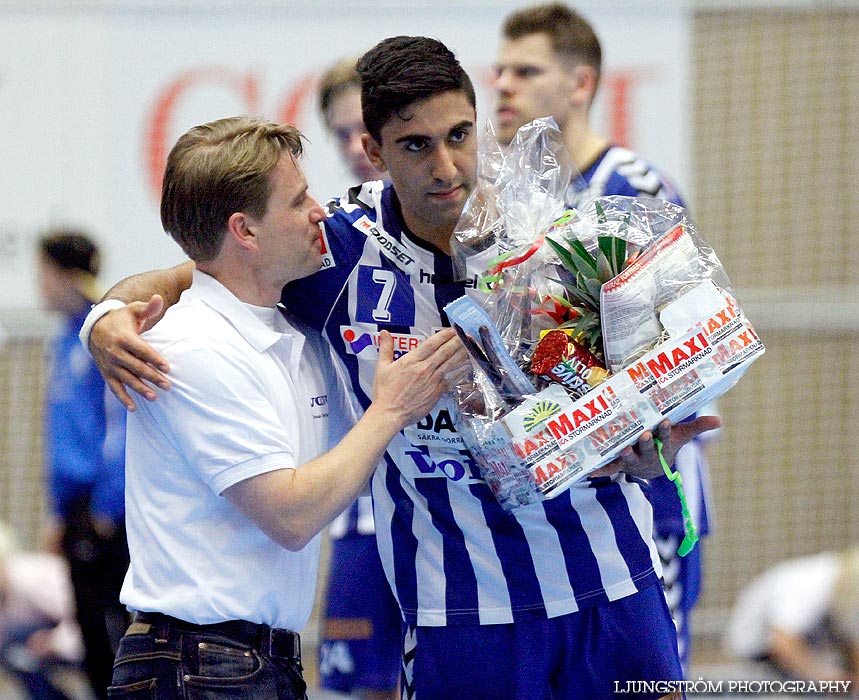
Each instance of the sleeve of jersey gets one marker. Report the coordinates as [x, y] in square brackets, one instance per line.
[220, 417]
[312, 298]
[648, 183]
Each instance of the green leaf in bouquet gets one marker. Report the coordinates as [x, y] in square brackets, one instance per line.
[576, 295]
[604, 271]
[584, 323]
[601, 217]
[592, 285]
[614, 249]
[576, 258]
[561, 301]
[587, 261]
[590, 272]
[586, 331]
[563, 254]
[594, 336]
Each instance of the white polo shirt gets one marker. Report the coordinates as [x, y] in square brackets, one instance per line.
[245, 400]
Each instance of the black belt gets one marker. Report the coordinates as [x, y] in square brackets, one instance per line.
[269, 641]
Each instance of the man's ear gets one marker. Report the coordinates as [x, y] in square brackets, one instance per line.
[242, 229]
[374, 152]
[584, 87]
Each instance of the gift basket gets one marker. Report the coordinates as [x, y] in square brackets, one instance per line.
[589, 328]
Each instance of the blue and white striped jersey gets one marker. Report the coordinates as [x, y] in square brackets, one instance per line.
[451, 554]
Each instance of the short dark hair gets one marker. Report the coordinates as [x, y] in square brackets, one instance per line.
[570, 34]
[217, 169]
[70, 249]
[405, 69]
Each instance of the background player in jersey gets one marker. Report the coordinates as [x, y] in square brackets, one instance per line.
[549, 64]
[359, 650]
[84, 470]
[558, 600]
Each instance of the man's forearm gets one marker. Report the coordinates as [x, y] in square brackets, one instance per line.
[293, 505]
[169, 283]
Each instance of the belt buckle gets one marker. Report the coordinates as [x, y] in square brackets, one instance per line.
[284, 644]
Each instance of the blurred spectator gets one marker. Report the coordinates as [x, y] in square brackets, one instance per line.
[85, 474]
[340, 106]
[802, 617]
[38, 632]
[359, 652]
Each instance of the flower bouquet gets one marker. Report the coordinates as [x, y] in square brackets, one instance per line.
[594, 324]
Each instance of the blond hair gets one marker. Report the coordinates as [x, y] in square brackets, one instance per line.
[217, 169]
[339, 78]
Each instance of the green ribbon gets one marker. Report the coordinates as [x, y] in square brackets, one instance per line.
[691, 537]
[487, 283]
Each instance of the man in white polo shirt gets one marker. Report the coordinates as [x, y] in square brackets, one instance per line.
[228, 480]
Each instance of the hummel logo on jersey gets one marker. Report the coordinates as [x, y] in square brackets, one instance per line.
[426, 277]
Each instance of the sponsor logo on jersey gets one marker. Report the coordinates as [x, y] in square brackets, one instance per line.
[427, 277]
[435, 429]
[365, 343]
[387, 244]
[319, 406]
[451, 464]
[327, 257]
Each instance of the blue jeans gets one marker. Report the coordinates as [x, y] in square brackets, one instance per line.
[161, 658]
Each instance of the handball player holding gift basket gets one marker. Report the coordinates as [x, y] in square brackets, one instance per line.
[597, 324]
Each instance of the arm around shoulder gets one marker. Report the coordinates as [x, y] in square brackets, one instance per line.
[111, 332]
[168, 283]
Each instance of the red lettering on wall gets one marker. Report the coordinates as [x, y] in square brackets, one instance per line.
[156, 139]
[619, 89]
[293, 104]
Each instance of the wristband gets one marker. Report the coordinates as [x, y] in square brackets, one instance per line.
[95, 313]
